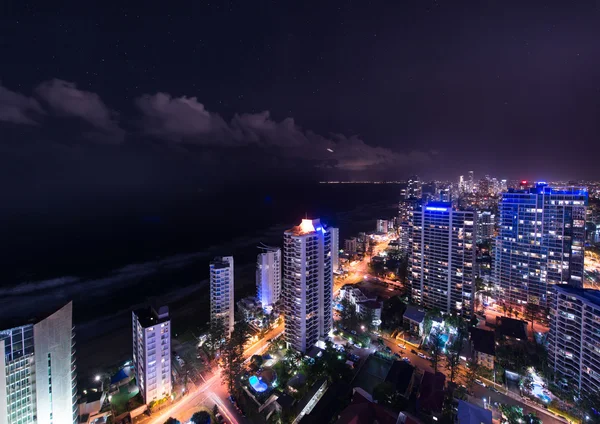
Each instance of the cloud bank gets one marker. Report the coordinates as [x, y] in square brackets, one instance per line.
[185, 121]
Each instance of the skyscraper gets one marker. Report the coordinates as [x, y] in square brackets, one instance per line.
[471, 182]
[335, 248]
[486, 222]
[221, 292]
[37, 371]
[152, 352]
[442, 257]
[268, 276]
[307, 284]
[540, 243]
[573, 339]
[414, 188]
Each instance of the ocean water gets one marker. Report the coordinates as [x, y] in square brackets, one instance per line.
[117, 254]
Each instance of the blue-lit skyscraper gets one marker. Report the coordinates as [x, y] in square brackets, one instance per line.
[442, 257]
[540, 243]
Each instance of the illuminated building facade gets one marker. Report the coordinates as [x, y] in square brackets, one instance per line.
[486, 222]
[442, 258]
[540, 243]
[268, 277]
[221, 292]
[574, 340]
[307, 284]
[38, 382]
[152, 352]
[335, 248]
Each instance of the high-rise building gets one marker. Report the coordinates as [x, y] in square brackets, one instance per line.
[38, 382]
[381, 226]
[574, 340]
[461, 184]
[335, 248]
[152, 352]
[221, 292]
[268, 276]
[540, 243]
[486, 222]
[442, 257]
[471, 182]
[404, 237]
[414, 188]
[307, 284]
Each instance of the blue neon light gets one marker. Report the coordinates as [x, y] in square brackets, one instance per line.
[435, 208]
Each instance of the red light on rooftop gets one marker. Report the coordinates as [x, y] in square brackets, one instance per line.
[524, 182]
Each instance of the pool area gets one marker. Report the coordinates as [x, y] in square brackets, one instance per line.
[257, 384]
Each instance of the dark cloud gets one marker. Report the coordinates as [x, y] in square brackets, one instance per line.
[65, 99]
[185, 120]
[18, 108]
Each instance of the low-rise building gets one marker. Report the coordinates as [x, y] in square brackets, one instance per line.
[248, 307]
[483, 347]
[472, 414]
[402, 376]
[413, 320]
[372, 307]
[511, 329]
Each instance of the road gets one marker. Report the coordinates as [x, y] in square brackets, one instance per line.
[478, 391]
[212, 392]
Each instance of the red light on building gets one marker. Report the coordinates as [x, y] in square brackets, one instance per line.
[524, 182]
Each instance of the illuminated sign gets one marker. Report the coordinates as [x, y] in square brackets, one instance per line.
[435, 208]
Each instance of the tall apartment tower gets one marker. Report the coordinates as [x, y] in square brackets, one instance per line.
[414, 188]
[442, 257]
[307, 284]
[38, 382]
[268, 277]
[152, 352]
[573, 339]
[540, 243]
[335, 248]
[221, 292]
[486, 222]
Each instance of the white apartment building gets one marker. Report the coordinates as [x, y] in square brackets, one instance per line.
[268, 277]
[442, 257]
[335, 248]
[152, 352]
[307, 284]
[574, 339]
[38, 383]
[381, 226]
[221, 292]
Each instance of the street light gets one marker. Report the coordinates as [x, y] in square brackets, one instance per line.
[97, 378]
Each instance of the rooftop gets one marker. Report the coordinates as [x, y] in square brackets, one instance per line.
[589, 295]
[431, 397]
[307, 226]
[149, 317]
[400, 376]
[372, 304]
[483, 341]
[414, 314]
[473, 414]
[510, 327]
[363, 410]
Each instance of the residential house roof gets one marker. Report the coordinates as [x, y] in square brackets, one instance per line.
[414, 314]
[483, 341]
[473, 414]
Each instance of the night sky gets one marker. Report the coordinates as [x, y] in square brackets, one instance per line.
[97, 96]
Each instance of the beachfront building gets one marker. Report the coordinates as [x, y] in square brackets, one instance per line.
[540, 243]
[335, 248]
[268, 277]
[221, 292]
[307, 284]
[38, 381]
[574, 340]
[442, 258]
[152, 352]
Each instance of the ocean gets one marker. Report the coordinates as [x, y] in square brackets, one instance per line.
[116, 255]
